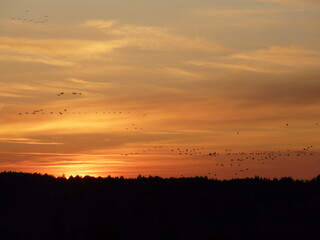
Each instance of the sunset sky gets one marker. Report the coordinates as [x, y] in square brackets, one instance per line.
[160, 87]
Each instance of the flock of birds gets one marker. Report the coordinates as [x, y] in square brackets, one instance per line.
[65, 111]
[134, 127]
[238, 162]
[179, 151]
[28, 18]
[73, 93]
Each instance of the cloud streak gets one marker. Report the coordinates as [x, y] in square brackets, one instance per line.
[301, 2]
[64, 52]
[28, 141]
[57, 52]
[270, 60]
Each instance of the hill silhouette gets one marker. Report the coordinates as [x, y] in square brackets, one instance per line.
[35, 206]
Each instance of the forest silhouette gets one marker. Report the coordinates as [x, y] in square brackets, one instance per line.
[35, 206]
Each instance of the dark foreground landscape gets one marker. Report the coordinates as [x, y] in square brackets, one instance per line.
[35, 206]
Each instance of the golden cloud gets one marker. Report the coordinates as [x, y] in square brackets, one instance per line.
[274, 59]
[58, 52]
[27, 141]
[291, 56]
[302, 2]
[66, 52]
[153, 38]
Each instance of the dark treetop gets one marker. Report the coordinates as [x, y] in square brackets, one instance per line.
[35, 206]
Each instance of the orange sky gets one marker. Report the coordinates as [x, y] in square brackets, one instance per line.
[163, 84]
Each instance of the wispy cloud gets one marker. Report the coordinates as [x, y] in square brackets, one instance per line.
[57, 52]
[154, 38]
[269, 60]
[12, 95]
[231, 66]
[256, 18]
[301, 2]
[65, 52]
[246, 12]
[291, 57]
[76, 80]
[27, 141]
